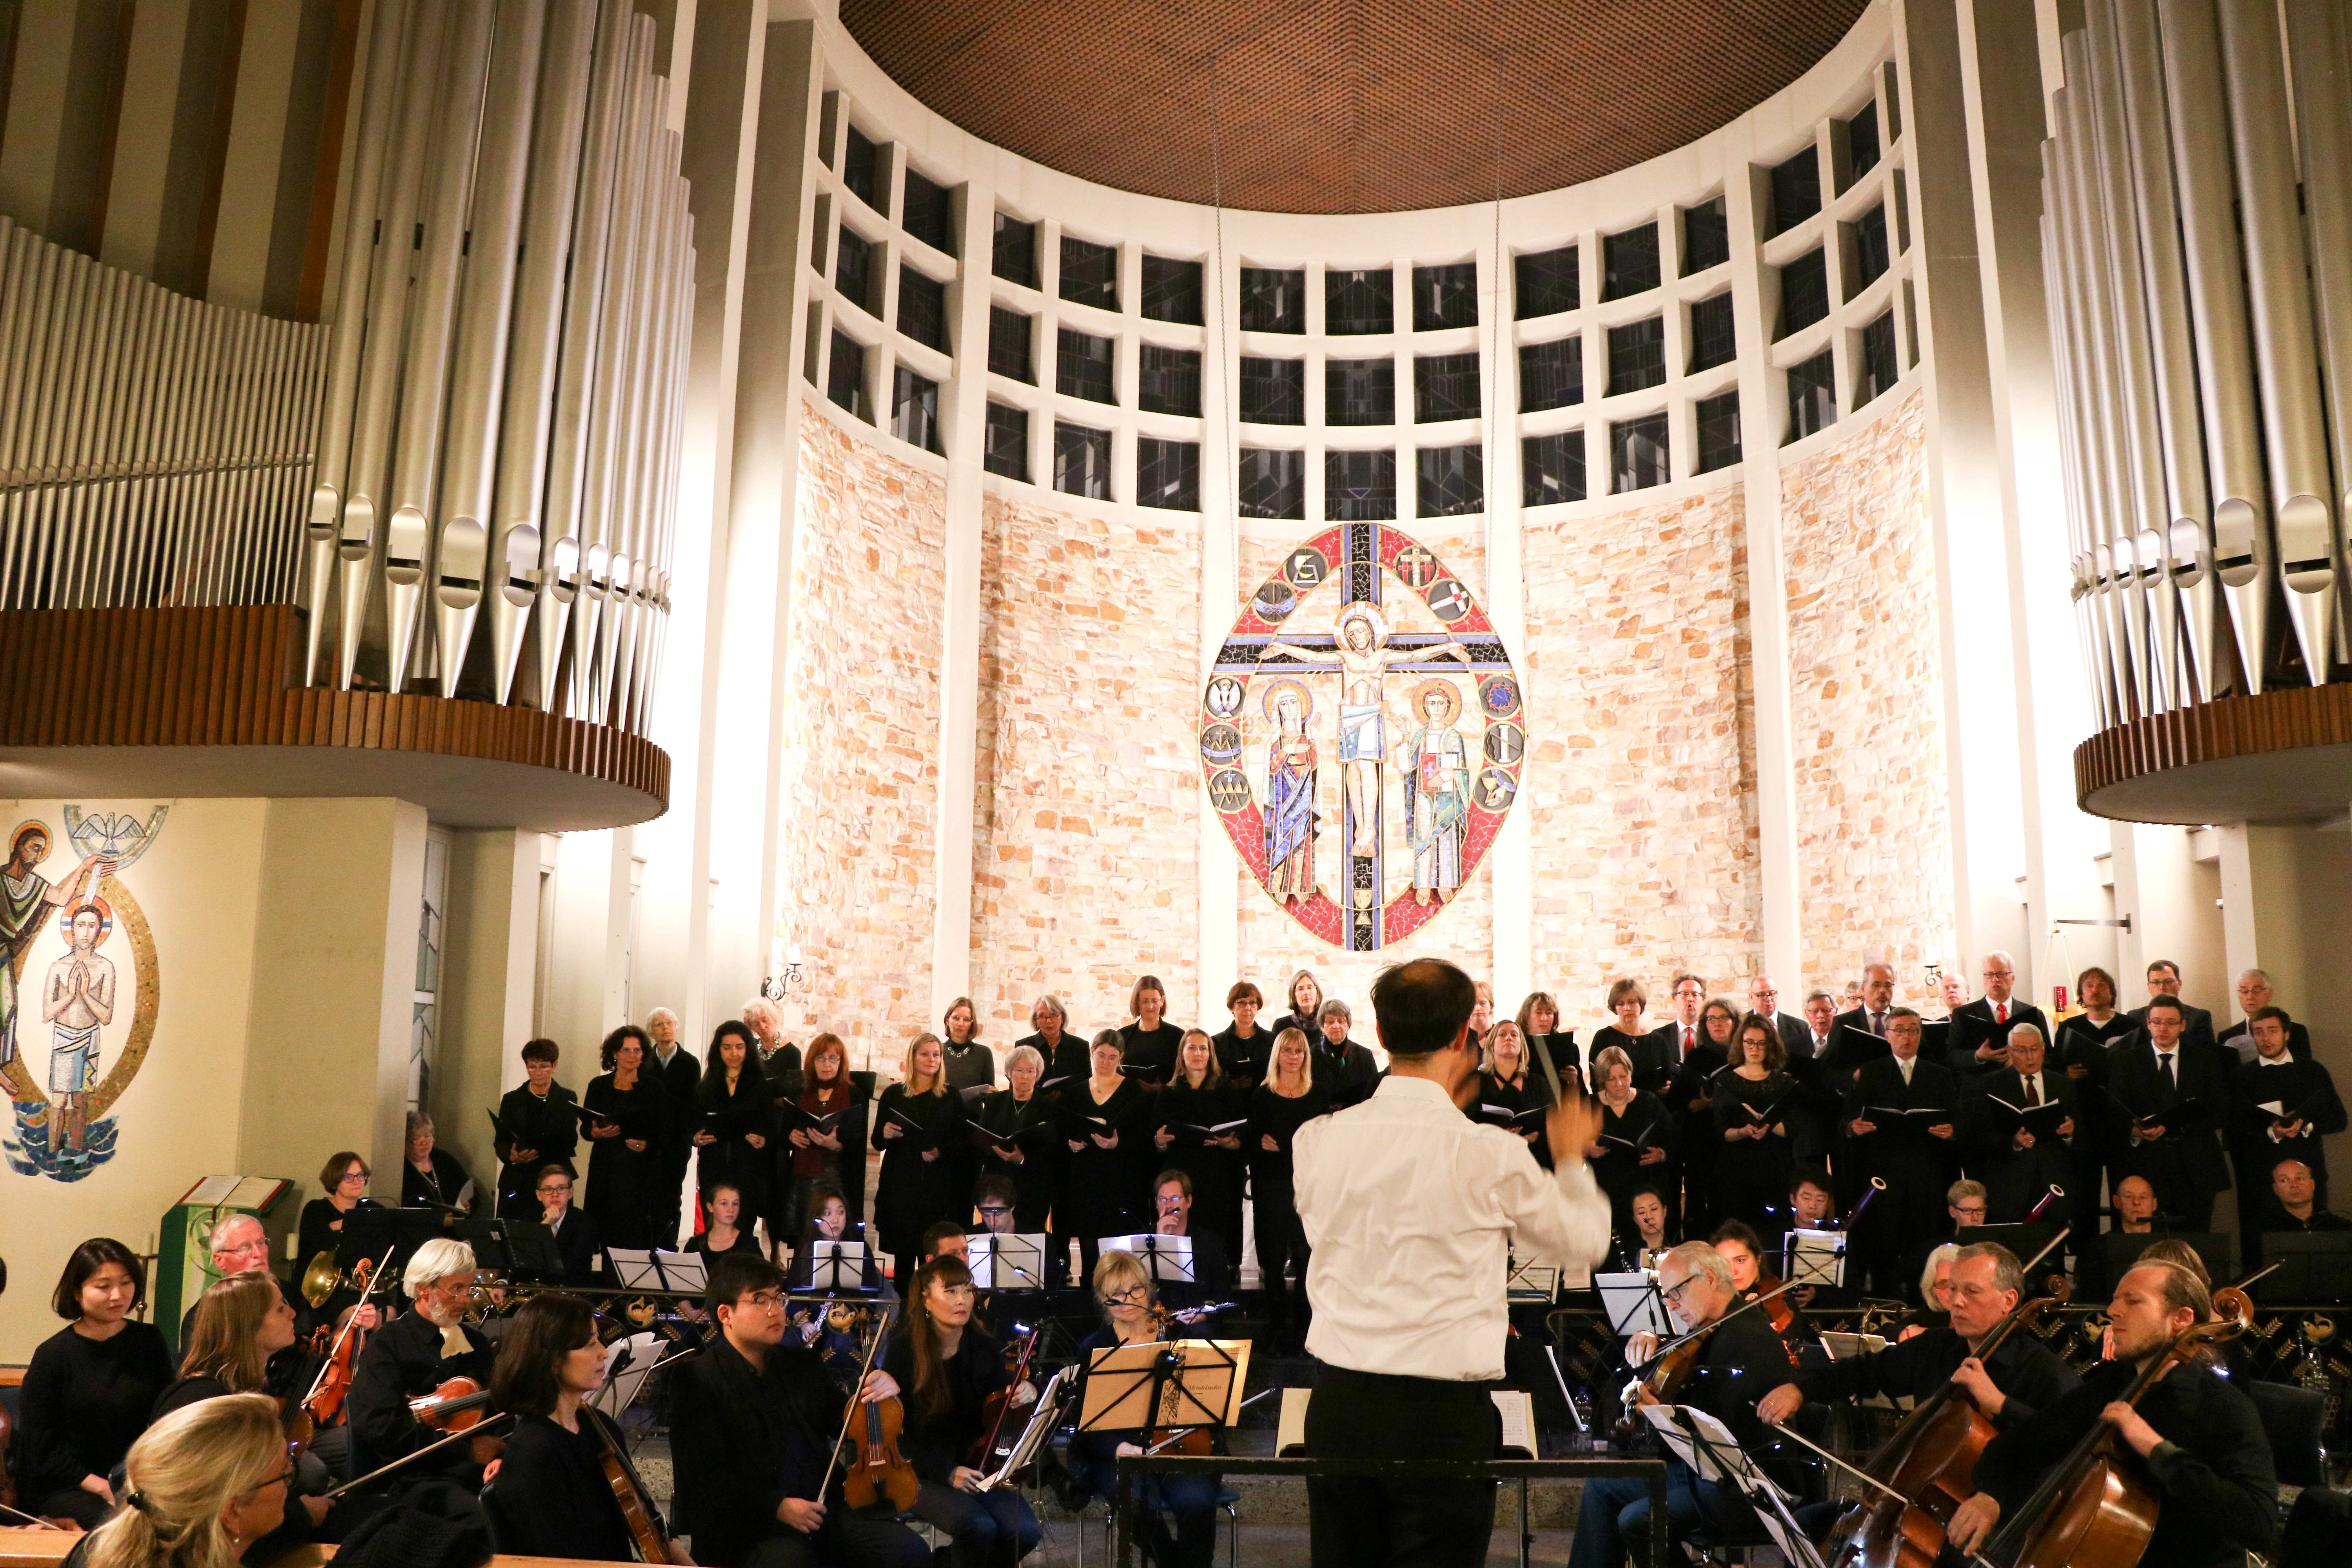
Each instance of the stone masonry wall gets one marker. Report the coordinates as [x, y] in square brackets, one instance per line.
[1874, 828]
[860, 772]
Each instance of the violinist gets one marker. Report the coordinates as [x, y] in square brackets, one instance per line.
[1727, 1370]
[537, 1126]
[1130, 1317]
[413, 1355]
[950, 1367]
[1636, 1146]
[551, 1495]
[755, 1424]
[2192, 1439]
[1742, 1249]
[2022, 1376]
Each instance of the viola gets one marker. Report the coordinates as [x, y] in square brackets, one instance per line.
[637, 1512]
[1661, 1379]
[880, 1472]
[998, 1403]
[457, 1404]
[1777, 1311]
[324, 1403]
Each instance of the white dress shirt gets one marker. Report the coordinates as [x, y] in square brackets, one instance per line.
[1412, 1211]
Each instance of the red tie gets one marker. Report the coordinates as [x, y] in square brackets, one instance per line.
[1689, 1044]
[2031, 1099]
[2000, 1014]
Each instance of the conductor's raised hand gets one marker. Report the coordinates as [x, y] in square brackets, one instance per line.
[1573, 1125]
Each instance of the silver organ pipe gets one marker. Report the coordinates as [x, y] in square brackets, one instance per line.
[2198, 202]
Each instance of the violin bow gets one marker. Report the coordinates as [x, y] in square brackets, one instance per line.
[478, 1429]
[375, 1277]
[849, 1411]
[1850, 1468]
[34, 1520]
[1663, 1351]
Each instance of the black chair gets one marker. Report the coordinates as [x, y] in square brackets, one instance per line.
[2292, 1419]
[494, 1515]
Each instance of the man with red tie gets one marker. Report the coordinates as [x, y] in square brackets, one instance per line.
[1979, 1046]
[1665, 1047]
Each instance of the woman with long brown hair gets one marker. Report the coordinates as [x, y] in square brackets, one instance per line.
[240, 1324]
[815, 1155]
[1754, 1156]
[734, 1118]
[946, 1366]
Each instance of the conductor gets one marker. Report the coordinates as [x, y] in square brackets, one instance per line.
[1411, 1211]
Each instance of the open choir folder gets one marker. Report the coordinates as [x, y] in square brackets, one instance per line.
[1517, 1409]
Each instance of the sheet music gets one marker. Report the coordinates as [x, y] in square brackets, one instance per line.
[211, 1189]
[1815, 1258]
[1630, 1301]
[1043, 1418]
[634, 1268]
[1008, 1262]
[627, 1363]
[684, 1270]
[1519, 1409]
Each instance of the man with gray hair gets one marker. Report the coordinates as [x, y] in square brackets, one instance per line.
[678, 1072]
[1978, 1043]
[2255, 994]
[413, 1355]
[2024, 1129]
[1736, 1361]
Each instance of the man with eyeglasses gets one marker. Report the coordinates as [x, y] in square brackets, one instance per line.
[755, 1422]
[1171, 1214]
[998, 1209]
[578, 1241]
[413, 1355]
[1737, 1362]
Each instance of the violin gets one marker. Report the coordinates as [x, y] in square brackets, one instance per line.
[324, 1403]
[2095, 1507]
[998, 1403]
[880, 1472]
[1777, 1311]
[637, 1512]
[456, 1405]
[1661, 1381]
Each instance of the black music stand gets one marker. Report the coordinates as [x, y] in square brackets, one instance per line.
[1705, 1444]
[1163, 1382]
[531, 1252]
[2122, 1249]
[2313, 1266]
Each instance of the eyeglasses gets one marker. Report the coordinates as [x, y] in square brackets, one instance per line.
[1974, 1210]
[563, 1192]
[348, 1178]
[992, 1210]
[765, 1301]
[1128, 1297]
[1673, 1294]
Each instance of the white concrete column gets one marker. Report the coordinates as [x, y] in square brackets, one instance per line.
[1505, 595]
[488, 967]
[1220, 868]
[1780, 874]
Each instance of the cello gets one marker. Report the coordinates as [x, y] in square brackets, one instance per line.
[2094, 1507]
[647, 1532]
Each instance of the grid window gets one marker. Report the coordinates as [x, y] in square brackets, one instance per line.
[1273, 482]
[1445, 386]
[1089, 273]
[1168, 381]
[1637, 454]
[861, 168]
[1551, 469]
[1546, 282]
[1813, 396]
[1274, 300]
[1082, 366]
[1719, 432]
[1081, 461]
[1011, 334]
[853, 269]
[1004, 442]
[928, 212]
[1870, 253]
[1796, 190]
[915, 409]
[1637, 355]
[1452, 481]
[845, 376]
[1804, 292]
[1879, 367]
[1168, 474]
[1444, 297]
[1360, 392]
[1172, 290]
[1862, 142]
[1274, 391]
[1629, 262]
[1706, 236]
[1712, 339]
[1551, 376]
[1358, 487]
[1014, 255]
[923, 309]
[1360, 300]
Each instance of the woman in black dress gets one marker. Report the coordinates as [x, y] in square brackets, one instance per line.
[1242, 1047]
[1637, 1141]
[1018, 1125]
[832, 1155]
[1151, 1042]
[624, 1165]
[1102, 1183]
[90, 1387]
[1509, 1090]
[1305, 994]
[432, 1176]
[917, 1123]
[1691, 1097]
[537, 1126]
[1755, 1157]
[344, 1177]
[734, 1118]
[969, 1063]
[1064, 1053]
[1538, 1022]
[1200, 1097]
[1278, 1108]
[551, 1497]
[1628, 999]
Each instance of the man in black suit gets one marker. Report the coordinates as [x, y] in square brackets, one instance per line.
[1980, 1029]
[1764, 1001]
[678, 1071]
[2280, 1109]
[1915, 1154]
[1877, 1001]
[2023, 1147]
[1821, 1017]
[2164, 980]
[2178, 1096]
[1664, 1047]
[2253, 995]
[577, 1240]
[1171, 1214]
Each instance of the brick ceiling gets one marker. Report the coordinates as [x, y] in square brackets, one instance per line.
[1343, 106]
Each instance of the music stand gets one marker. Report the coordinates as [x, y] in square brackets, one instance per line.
[1814, 1257]
[1042, 1419]
[532, 1253]
[1528, 1281]
[681, 1273]
[634, 1269]
[1713, 1453]
[837, 1265]
[1632, 1304]
[627, 1365]
[1164, 1383]
[1166, 1258]
[2122, 1249]
[2314, 1266]
[1007, 1262]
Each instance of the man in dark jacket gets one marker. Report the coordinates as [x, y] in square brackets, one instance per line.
[413, 1355]
[678, 1072]
[2281, 1109]
[753, 1429]
[1979, 1042]
[2164, 980]
[2178, 1095]
[1904, 1116]
[1343, 1069]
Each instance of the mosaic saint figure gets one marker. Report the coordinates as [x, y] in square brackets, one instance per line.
[1437, 794]
[26, 900]
[78, 1001]
[1290, 760]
